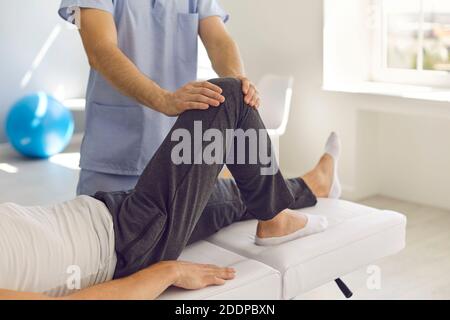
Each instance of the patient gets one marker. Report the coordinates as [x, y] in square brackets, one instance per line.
[124, 245]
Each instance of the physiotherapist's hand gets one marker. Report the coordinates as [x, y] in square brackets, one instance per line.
[251, 94]
[193, 276]
[194, 95]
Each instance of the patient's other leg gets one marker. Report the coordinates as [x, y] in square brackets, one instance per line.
[323, 180]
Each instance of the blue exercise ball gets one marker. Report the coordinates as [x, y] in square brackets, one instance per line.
[39, 126]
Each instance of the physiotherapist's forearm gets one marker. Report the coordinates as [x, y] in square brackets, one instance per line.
[99, 35]
[226, 58]
[112, 63]
[100, 39]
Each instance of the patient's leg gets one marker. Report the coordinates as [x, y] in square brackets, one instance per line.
[155, 222]
[225, 206]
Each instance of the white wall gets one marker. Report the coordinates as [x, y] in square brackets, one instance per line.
[392, 146]
[25, 26]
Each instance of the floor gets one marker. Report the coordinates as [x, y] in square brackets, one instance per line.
[421, 271]
[37, 182]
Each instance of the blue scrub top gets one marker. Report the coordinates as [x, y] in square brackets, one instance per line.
[160, 37]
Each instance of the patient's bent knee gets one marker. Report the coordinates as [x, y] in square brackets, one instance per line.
[230, 86]
[232, 91]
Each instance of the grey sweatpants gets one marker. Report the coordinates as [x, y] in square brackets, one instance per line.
[174, 205]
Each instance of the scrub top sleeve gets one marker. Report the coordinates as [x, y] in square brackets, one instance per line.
[66, 12]
[209, 8]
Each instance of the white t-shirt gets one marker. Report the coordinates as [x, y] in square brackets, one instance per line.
[56, 249]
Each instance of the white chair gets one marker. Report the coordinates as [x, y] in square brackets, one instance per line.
[276, 97]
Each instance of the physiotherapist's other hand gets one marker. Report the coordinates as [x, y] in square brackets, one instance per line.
[194, 95]
[251, 94]
[193, 276]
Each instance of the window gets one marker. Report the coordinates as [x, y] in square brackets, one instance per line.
[411, 42]
[389, 47]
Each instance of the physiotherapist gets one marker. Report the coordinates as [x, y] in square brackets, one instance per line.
[143, 57]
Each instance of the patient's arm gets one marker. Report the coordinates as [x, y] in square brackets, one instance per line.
[146, 284]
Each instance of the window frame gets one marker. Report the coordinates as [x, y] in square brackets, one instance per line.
[382, 73]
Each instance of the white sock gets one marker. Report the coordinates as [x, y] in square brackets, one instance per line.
[333, 148]
[315, 224]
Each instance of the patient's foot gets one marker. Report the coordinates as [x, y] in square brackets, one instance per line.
[288, 226]
[320, 179]
[323, 180]
[283, 224]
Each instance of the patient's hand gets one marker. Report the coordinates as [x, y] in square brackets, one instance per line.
[193, 276]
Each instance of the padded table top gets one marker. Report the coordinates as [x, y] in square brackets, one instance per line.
[357, 235]
[252, 280]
